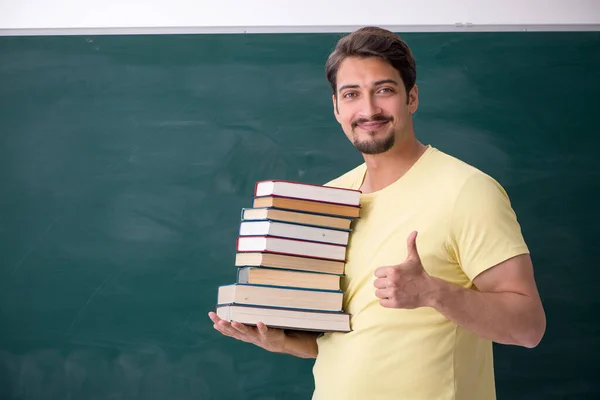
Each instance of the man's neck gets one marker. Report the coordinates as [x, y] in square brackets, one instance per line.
[385, 169]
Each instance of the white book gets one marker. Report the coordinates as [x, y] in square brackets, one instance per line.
[293, 231]
[294, 247]
[307, 192]
[286, 318]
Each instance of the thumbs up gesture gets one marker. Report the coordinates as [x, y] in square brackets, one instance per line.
[406, 285]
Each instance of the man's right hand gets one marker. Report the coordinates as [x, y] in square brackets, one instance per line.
[270, 339]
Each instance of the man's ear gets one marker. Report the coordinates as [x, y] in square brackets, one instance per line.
[413, 99]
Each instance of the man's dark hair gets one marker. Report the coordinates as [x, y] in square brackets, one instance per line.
[373, 42]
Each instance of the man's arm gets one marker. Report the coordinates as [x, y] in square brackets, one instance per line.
[301, 344]
[485, 238]
[505, 307]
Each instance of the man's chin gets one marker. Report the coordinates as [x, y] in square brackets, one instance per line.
[372, 146]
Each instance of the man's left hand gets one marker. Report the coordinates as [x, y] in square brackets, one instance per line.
[406, 285]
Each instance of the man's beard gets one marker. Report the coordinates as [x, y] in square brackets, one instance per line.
[372, 145]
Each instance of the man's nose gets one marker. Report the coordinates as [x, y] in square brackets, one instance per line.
[369, 107]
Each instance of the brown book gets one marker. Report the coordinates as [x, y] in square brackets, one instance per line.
[274, 214]
[286, 297]
[289, 262]
[282, 277]
[303, 320]
[310, 206]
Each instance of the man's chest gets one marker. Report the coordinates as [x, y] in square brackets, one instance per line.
[379, 238]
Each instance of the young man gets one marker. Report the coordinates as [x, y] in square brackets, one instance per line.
[437, 266]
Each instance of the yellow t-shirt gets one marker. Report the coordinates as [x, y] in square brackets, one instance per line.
[465, 225]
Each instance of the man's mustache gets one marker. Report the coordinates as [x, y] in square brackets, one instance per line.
[376, 118]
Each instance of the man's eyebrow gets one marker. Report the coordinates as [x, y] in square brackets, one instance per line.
[383, 81]
[348, 87]
[380, 82]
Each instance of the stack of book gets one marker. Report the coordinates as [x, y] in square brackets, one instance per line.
[290, 257]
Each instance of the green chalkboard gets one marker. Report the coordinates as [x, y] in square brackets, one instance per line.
[125, 162]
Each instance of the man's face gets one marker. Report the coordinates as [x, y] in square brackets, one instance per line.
[371, 104]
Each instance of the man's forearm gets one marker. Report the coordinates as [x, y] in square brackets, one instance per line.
[301, 344]
[504, 317]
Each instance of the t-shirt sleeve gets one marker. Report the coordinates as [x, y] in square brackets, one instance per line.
[484, 230]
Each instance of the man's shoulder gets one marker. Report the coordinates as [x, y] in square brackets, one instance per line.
[457, 166]
[350, 179]
[457, 172]
[464, 187]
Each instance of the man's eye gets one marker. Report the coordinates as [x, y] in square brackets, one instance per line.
[385, 90]
[349, 94]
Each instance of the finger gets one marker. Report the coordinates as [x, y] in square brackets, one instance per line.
[241, 327]
[382, 272]
[213, 317]
[380, 283]
[411, 245]
[221, 325]
[234, 335]
[388, 303]
[226, 328]
[262, 328]
[221, 329]
[383, 293]
[244, 332]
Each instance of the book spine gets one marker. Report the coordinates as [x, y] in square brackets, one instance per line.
[243, 275]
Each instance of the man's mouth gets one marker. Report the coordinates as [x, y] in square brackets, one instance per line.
[372, 125]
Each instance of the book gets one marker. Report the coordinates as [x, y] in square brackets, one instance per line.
[280, 277]
[293, 231]
[290, 254]
[307, 191]
[273, 260]
[274, 214]
[273, 244]
[281, 318]
[309, 206]
[279, 296]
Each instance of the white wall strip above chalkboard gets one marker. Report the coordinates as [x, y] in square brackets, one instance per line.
[40, 17]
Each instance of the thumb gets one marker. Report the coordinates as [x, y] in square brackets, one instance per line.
[411, 245]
